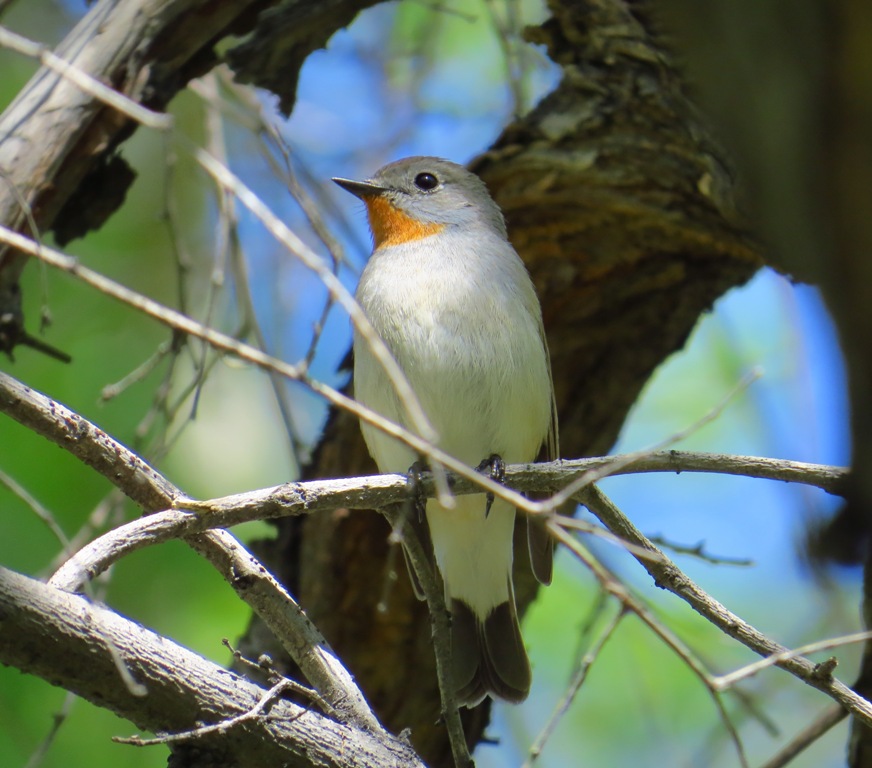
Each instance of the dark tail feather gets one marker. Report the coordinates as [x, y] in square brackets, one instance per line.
[488, 657]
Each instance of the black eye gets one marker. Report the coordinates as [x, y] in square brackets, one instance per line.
[426, 181]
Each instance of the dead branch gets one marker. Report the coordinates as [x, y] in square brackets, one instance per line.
[58, 636]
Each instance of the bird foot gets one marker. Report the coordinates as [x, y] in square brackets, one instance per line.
[496, 468]
[415, 490]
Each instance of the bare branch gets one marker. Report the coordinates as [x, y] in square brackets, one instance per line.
[828, 719]
[260, 590]
[575, 686]
[551, 476]
[668, 576]
[39, 621]
[98, 450]
[726, 681]
[189, 516]
[84, 81]
[288, 622]
[70, 116]
[88, 443]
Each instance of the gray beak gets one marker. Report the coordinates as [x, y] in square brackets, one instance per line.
[361, 189]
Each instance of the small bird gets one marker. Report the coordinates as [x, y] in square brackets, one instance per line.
[453, 302]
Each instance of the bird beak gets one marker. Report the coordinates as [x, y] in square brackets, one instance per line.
[361, 189]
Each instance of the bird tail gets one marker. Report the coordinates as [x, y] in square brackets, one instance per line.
[488, 657]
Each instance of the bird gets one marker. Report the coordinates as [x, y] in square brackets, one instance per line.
[455, 305]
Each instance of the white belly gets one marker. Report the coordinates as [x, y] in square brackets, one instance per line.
[470, 344]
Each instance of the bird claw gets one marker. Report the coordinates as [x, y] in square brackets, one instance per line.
[415, 489]
[496, 468]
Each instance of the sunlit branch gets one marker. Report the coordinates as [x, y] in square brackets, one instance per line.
[151, 491]
[574, 687]
[183, 687]
[827, 720]
[85, 82]
[726, 681]
[668, 576]
[613, 586]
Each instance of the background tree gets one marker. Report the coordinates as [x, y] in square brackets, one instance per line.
[616, 195]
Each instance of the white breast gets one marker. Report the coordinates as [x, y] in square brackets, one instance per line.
[465, 329]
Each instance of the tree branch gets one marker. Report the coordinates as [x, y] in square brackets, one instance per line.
[669, 576]
[58, 139]
[281, 613]
[252, 582]
[59, 637]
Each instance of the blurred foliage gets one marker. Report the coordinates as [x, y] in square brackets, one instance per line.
[397, 83]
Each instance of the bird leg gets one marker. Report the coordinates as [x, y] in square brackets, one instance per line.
[415, 490]
[496, 468]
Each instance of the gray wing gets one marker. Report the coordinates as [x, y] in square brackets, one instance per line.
[540, 543]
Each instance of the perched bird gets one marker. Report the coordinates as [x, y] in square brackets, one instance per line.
[454, 304]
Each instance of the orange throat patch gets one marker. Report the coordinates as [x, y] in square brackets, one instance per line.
[390, 226]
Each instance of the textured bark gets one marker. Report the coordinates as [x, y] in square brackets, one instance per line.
[284, 37]
[70, 642]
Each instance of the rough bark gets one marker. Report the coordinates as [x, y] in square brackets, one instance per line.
[68, 641]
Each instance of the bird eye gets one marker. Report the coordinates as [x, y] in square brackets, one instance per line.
[426, 181]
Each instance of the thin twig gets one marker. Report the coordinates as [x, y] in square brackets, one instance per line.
[57, 721]
[300, 638]
[595, 475]
[223, 176]
[207, 89]
[827, 720]
[273, 143]
[225, 725]
[507, 33]
[698, 551]
[264, 665]
[111, 391]
[583, 526]
[554, 475]
[85, 82]
[613, 586]
[668, 576]
[441, 626]
[575, 685]
[38, 509]
[726, 681]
